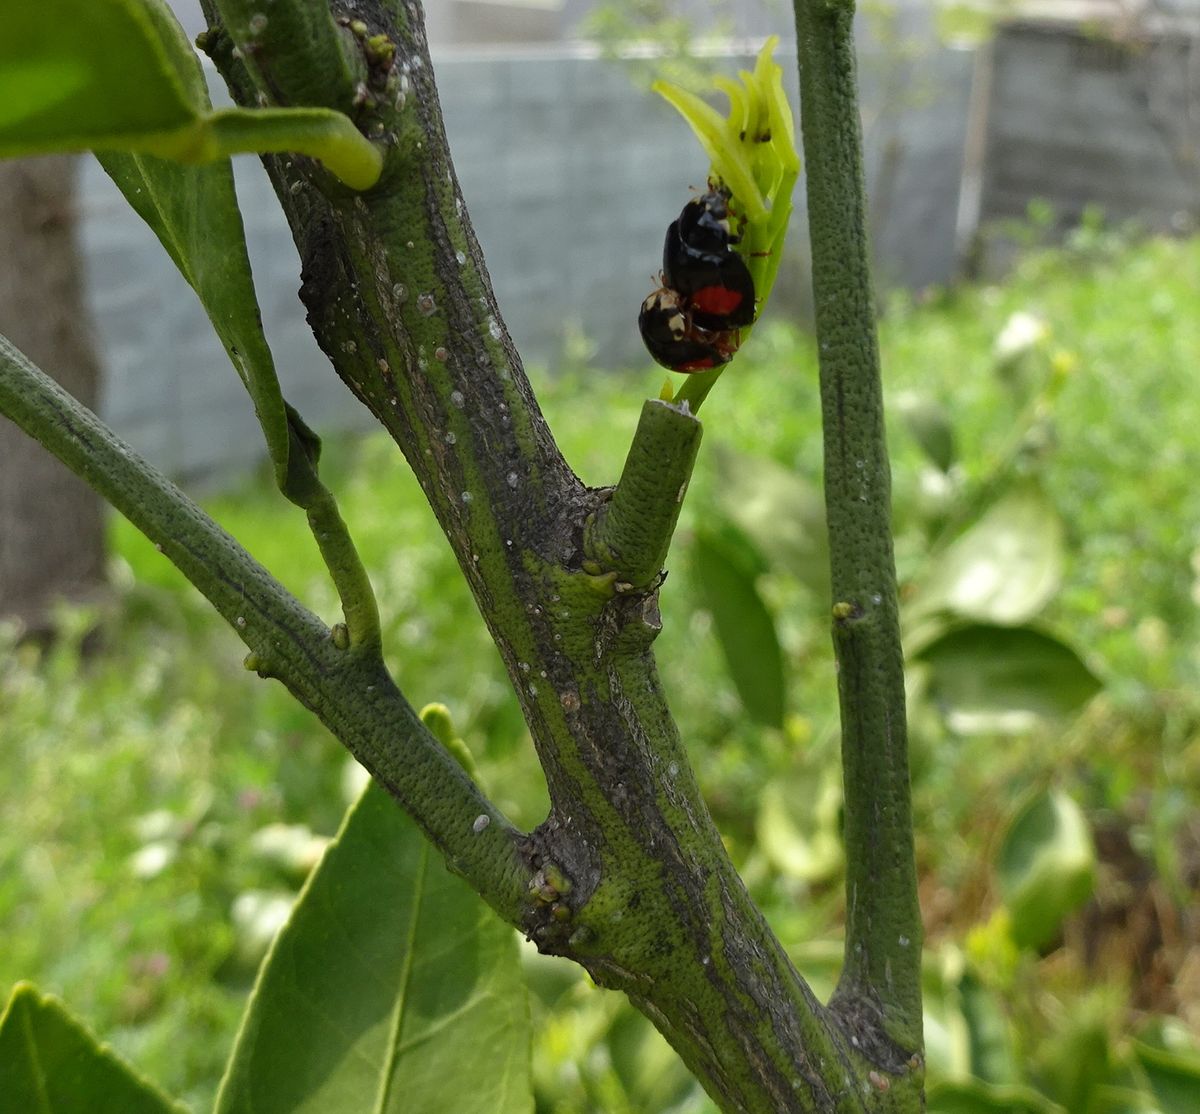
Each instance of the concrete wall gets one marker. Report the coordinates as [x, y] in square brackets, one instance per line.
[571, 175]
[1076, 120]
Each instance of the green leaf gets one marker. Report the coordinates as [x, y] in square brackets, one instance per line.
[80, 75]
[799, 826]
[392, 988]
[1172, 1068]
[781, 512]
[193, 210]
[744, 626]
[1045, 867]
[51, 1064]
[929, 423]
[989, 1038]
[752, 151]
[77, 75]
[973, 1096]
[987, 679]
[1005, 568]
[719, 138]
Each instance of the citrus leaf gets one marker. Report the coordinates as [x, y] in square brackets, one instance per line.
[987, 678]
[1174, 1075]
[392, 988]
[721, 144]
[51, 1064]
[781, 512]
[799, 827]
[1005, 568]
[973, 1096]
[929, 423]
[89, 75]
[989, 1040]
[1045, 867]
[193, 210]
[77, 75]
[744, 626]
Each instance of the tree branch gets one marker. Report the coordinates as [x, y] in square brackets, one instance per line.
[347, 688]
[882, 972]
[629, 535]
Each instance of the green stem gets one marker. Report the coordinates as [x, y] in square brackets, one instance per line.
[351, 693]
[883, 923]
[694, 389]
[630, 534]
[319, 133]
[349, 575]
[301, 484]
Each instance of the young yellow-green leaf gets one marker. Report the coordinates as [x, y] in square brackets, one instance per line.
[717, 136]
[752, 151]
[51, 1064]
[391, 989]
[79, 75]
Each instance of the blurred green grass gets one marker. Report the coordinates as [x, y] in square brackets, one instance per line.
[136, 774]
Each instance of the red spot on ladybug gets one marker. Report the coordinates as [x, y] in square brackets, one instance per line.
[717, 301]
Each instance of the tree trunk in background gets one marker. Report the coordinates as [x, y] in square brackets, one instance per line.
[51, 530]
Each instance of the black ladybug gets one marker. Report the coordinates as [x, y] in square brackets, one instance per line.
[673, 338]
[700, 264]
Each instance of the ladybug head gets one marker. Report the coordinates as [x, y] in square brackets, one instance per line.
[706, 225]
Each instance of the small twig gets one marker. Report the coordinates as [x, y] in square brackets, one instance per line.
[881, 979]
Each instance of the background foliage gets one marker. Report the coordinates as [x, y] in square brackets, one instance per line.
[162, 807]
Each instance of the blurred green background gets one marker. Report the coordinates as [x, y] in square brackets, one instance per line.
[161, 806]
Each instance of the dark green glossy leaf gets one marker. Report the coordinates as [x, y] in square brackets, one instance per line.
[1005, 568]
[51, 1064]
[988, 678]
[744, 626]
[393, 989]
[1045, 867]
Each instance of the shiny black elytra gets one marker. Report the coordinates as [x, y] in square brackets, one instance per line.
[691, 322]
[700, 264]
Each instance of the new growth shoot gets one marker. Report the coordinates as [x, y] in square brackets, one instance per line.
[752, 151]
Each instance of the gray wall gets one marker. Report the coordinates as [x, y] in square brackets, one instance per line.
[1078, 120]
[571, 175]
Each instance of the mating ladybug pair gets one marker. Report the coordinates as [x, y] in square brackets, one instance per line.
[691, 322]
